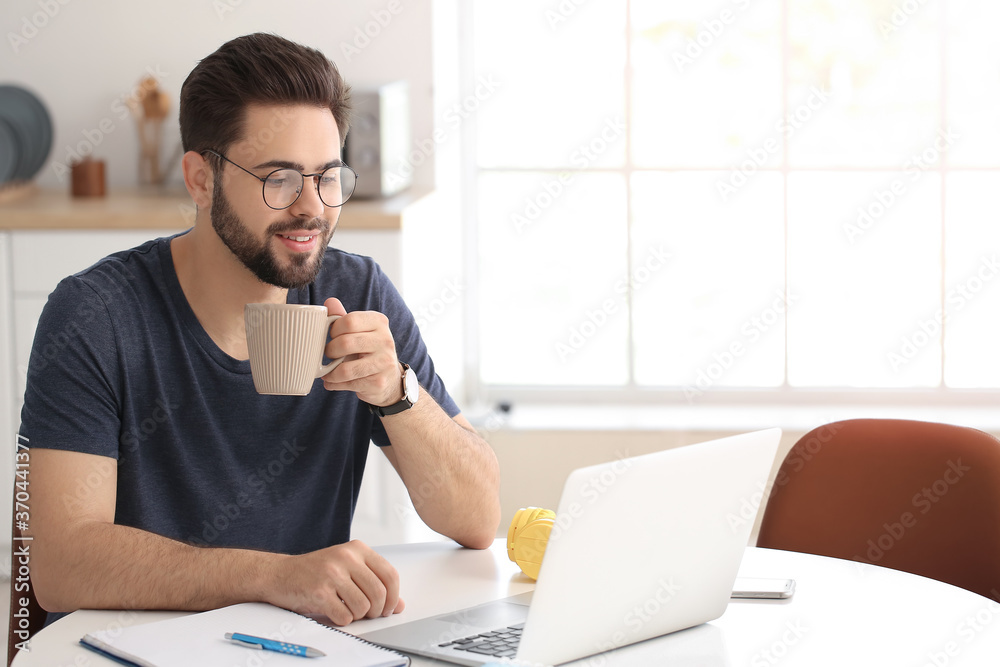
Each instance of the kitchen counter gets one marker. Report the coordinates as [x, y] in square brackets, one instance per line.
[137, 208]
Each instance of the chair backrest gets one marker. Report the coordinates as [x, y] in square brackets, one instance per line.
[908, 495]
[25, 619]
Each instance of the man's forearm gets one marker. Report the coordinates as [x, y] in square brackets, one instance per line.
[102, 565]
[451, 473]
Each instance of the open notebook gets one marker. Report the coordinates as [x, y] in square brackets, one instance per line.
[199, 639]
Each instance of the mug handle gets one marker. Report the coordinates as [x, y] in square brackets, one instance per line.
[323, 370]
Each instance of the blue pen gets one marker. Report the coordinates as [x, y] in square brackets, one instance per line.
[249, 641]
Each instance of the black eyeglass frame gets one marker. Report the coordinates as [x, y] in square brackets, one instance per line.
[263, 181]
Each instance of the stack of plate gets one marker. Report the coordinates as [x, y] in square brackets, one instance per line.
[25, 134]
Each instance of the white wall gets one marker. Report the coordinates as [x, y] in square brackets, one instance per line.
[534, 464]
[82, 57]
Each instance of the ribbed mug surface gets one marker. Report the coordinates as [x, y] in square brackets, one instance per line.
[285, 342]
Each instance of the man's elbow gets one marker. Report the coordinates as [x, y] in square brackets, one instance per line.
[55, 582]
[50, 589]
[478, 542]
[482, 534]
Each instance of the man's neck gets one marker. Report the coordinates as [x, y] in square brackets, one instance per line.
[217, 286]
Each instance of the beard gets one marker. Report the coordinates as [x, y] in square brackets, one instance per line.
[259, 256]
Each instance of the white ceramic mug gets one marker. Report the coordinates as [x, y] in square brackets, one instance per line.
[286, 343]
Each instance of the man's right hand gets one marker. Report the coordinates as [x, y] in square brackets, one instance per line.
[345, 582]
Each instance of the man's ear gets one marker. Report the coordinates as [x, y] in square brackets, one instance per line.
[198, 179]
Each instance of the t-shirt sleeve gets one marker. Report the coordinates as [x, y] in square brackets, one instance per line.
[411, 350]
[71, 398]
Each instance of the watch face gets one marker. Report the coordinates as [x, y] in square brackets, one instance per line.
[410, 386]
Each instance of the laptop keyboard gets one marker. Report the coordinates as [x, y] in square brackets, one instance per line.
[500, 643]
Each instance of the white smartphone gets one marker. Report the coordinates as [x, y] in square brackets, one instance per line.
[763, 589]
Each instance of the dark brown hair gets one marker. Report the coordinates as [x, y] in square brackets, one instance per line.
[256, 69]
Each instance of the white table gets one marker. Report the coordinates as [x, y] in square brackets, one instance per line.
[843, 613]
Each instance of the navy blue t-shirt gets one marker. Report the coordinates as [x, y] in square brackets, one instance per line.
[121, 367]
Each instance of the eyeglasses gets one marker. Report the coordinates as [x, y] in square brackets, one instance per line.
[282, 187]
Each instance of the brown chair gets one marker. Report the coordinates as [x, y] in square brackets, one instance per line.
[21, 627]
[913, 496]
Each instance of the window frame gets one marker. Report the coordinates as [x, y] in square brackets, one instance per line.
[940, 396]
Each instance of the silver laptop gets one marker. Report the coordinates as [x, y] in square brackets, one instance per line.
[642, 547]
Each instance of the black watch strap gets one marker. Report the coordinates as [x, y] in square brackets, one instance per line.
[390, 409]
[403, 404]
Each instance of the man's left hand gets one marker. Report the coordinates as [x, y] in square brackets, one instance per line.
[371, 368]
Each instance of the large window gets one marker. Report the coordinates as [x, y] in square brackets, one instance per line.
[745, 194]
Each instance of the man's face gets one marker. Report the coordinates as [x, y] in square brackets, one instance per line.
[283, 248]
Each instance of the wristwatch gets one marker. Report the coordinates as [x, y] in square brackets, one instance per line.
[411, 392]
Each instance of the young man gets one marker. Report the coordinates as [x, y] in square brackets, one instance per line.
[160, 478]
